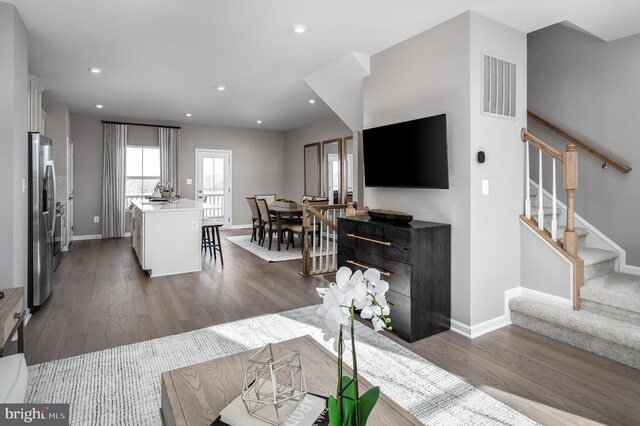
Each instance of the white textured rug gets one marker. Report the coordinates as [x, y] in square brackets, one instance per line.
[121, 386]
[264, 253]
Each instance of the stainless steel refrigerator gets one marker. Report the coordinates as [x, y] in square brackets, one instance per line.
[42, 219]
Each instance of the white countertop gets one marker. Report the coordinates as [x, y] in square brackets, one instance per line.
[164, 206]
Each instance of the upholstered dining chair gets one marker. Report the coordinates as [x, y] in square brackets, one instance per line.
[298, 229]
[256, 231]
[268, 224]
[271, 198]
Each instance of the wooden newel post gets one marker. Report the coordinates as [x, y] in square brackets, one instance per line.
[570, 178]
[306, 257]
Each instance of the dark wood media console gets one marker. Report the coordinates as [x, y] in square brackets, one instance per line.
[414, 258]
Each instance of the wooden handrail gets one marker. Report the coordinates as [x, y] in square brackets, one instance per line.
[606, 160]
[528, 137]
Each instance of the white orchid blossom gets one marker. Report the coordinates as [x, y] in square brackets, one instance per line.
[365, 292]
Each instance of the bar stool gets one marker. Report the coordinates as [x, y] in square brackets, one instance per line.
[211, 238]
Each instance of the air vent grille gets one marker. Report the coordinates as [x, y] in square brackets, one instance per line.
[498, 87]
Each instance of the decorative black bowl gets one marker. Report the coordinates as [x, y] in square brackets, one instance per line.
[390, 216]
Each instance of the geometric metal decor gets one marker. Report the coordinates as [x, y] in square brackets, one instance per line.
[274, 384]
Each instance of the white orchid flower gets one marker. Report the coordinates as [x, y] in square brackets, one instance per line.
[353, 286]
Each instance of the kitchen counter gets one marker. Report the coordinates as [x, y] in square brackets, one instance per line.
[167, 236]
[160, 206]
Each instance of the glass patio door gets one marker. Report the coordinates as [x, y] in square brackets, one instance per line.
[213, 184]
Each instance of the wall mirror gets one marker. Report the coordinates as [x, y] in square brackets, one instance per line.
[347, 187]
[332, 170]
[312, 169]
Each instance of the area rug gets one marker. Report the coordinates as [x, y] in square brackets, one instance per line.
[264, 253]
[121, 385]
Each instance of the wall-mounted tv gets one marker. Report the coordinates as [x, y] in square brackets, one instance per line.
[411, 154]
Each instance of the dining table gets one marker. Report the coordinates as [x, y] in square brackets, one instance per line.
[293, 211]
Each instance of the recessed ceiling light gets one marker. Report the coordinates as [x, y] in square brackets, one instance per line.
[312, 101]
[222, 88]
[188, 114]
[299, 29]
[99, 106]
[95, 70]
[259, 121]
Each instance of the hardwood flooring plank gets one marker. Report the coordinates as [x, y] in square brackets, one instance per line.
[101, 298]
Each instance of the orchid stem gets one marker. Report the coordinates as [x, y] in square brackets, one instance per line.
[339, 398]
[355, 366]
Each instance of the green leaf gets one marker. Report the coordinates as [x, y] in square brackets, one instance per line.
[334, 413]
[367, 402]
[349, 390]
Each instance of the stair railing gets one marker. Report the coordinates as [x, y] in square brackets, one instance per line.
[569, 160]
[606, 160]
[320, 236]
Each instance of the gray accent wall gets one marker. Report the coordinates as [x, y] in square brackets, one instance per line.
[258, 163]
[439, 71]
[14, 87]
[426, 75]
[591, 89]
[295, 141]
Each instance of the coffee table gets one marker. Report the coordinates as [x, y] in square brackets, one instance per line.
[196, 394]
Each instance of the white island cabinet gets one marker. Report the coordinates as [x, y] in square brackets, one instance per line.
[167, 236]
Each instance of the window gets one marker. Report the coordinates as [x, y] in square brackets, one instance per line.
[142, 172]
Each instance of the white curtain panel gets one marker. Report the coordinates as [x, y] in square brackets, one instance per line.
[113, 177]
[169, 140]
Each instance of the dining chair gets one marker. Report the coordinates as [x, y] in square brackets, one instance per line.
[256, 231]
[267, 222]
[271, 198]
[298, 229]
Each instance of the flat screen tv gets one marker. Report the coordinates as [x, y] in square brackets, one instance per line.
[412, 154]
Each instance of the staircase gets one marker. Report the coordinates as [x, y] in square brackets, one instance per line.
[608, 323]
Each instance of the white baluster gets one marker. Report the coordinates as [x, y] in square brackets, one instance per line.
[527, 200]
[313, 242]
[335, 239]
[554, 219]
[321, 249]
[540, 195]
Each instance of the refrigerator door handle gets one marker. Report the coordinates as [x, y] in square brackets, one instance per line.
[51, 169]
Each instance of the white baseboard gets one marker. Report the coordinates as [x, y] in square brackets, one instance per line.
[629, 269]
[503, 320]
[87, 237]
[249, 226]
[126, 235]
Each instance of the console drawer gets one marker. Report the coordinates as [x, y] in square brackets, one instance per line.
[397, 274]
[389, 242]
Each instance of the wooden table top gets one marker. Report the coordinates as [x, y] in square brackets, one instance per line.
[196, 394]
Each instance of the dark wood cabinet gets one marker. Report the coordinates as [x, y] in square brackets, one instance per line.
[414, 258]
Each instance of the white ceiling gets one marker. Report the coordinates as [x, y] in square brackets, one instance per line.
[164, 58]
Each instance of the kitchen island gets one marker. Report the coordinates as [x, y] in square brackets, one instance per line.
[166, 236]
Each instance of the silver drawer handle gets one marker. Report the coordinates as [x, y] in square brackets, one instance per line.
[385, 273]
[384, 243]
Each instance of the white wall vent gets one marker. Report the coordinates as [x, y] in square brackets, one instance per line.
[498, 87]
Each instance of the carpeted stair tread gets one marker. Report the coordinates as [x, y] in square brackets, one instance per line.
[592, 256]
[582, 232]
[614, 289]
[602, 327]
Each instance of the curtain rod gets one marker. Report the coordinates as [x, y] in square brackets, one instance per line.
[139, 124]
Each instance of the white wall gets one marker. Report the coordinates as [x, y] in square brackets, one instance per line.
[495, 225]
[423, 76]
[590, 88]
[258, 163]
[14, 87]
[296, 139]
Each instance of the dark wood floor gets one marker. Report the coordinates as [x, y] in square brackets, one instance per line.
[102, 299]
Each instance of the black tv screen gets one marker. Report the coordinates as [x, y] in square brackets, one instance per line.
[412, 154]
